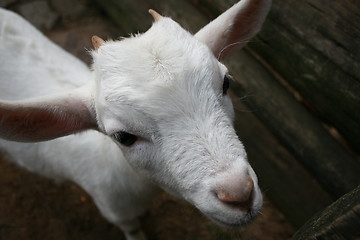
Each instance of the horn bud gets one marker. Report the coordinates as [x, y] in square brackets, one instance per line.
[155, 15]
[97, 42]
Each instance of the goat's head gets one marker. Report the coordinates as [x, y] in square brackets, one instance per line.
[162, 97]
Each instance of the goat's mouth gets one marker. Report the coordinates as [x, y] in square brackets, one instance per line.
[237, 223]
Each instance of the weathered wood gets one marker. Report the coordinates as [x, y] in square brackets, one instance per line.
[287, 183]
[334, 94]
[341, 220]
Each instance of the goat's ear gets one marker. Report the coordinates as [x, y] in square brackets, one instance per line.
[235, 27]
[47, 118]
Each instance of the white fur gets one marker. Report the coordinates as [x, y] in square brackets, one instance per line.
[163, 86]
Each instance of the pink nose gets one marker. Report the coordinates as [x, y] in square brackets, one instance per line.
[237, 194]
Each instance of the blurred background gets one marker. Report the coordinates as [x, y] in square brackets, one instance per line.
[297, 99]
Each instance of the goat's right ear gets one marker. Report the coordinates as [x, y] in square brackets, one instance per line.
[235, 27]
[48, 117]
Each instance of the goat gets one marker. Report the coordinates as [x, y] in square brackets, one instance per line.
[153, 112]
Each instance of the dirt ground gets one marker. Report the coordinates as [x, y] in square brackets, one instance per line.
[32, 207]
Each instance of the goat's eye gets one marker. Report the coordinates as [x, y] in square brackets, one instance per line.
[126, 139]
[226, 83]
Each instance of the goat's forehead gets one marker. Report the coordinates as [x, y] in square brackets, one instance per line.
[156, 66]
[162, 53]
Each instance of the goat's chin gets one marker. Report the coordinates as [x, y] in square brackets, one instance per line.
[234, 224]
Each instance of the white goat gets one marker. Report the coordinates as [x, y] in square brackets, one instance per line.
[153, 112]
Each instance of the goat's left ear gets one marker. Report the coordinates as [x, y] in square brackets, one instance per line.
[235, 27]
[47, 118]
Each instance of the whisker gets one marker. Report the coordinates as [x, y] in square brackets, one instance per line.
[252, 40]
[230, 45]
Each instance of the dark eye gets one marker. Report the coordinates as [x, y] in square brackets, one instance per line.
[226, 83]
[126, 139]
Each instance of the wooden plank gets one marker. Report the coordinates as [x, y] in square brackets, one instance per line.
[322, 38]
[341, 220]
[331, 93]
[329, 27]
[281, 177]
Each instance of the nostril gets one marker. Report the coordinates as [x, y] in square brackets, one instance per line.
[240, 195]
